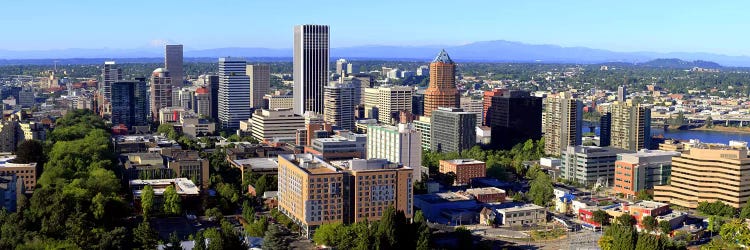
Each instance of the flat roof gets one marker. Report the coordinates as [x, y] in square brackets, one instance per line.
[184, 186]
[485, 190]
[524, 207]
[259, 163]
[464, 161]
[5, 162]
[649, 204]
[443, 197]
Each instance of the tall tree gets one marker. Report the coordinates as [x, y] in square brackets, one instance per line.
[745, 213]
[274, 239]
[145, 237]
[541, 191]
[147, 201]
[647, 242]
[29, 151]
[387, 229]
[649, 223]
[199, 241]
[171, 201]
[626, 220]
[664, 227]
[174, 242]
[601, 217]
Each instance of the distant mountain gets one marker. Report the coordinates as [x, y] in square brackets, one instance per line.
[679, 64]
[487, 51]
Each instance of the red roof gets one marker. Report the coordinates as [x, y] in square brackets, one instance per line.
[201, 90]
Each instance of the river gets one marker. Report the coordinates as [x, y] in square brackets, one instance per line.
[702, 135]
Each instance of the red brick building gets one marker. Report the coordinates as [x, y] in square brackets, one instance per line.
[464, 169]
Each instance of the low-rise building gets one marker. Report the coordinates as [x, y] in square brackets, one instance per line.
[487, 194]
[26, 173]
[275, 125]
[589, 164]
[464, 169]
[258, 166]
[344, 145]
[186, 189]
[524, 215]
[451, 208]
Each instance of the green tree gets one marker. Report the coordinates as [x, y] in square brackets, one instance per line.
[665, 227]
[643, 195]
[144, 237]
[147, 201]
[174, 242]
[541, 191]
[386, 234]
[261, 185]
[200, 241]
[326, 234]
[213, 214]
[647, 242]
[274, 239]
[171, 201]
[601, 217]
[248, 212]
[745, 213]
[649, 223]
[709, 122]
[736, 230]
[625, 220]
[624, 237]
[258, 227]
[98, 206]
[29, 151]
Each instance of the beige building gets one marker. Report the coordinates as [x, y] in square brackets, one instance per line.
[387, 101]
[275, 125]
[630, 126]
[192, 125]
[708, 172]
[561, 123]
[279, 101]
[260, 83]
[311, 191]
[26, 172]
[423, 125]
[472, 105]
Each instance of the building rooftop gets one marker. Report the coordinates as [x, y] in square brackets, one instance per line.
[312, 164]
[259, 163]
[5, 162]
[524, 207]
[443, 197]
[443, 57]
[486, 190]
[649, 204]
[183, 186]
[464, 161]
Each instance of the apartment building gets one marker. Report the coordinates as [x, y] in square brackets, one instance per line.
[464, 169]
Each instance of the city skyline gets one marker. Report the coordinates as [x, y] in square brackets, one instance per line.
[662, 27]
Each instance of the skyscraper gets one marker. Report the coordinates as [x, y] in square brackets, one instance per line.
[400, 144]
[442, 91]
[385, 102]
[622, 93]
[472, 105]
[212, 84]
[513, 115]
[339, 105]
[452, 130]
[260, 83]
[311, 54]
[562, 117]
[110, 74]
[129, 103]
[342, 67]
[630, 126]
[605, 129]
[173, 63]
[202, 102]
[234, 92]
[161, 92]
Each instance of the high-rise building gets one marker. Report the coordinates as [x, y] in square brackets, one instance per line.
[622, 93]
[514, 116]
[110, 74]
[365, 81]
[423, 71]
[708, 172]
[631, 126]
[339, 105]
[452, 130]
[211, 82]
[605, 129]
[442, 90]
[26, 97]
[423, 125]
[314, 192]
[342, 67]
[161, 92]
[173, 63]
[417, 103]
[234, 92]
[589, 165]
[400, 144]
[311, 55]
[260, 83]
[279, 101]
[472, 105]
[561, 124]
[385, 102]
[642, 171]
[129, 105]
[202, 104]
[275, 125]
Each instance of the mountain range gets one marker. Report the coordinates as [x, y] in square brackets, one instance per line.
[487, 51]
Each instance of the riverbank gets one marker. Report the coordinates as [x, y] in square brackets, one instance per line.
[717, 128]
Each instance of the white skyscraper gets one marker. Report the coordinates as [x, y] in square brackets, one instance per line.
[234, 92]
[173, 63]
[400, 144]
[311, 56]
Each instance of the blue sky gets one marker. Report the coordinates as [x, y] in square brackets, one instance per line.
[636, 25]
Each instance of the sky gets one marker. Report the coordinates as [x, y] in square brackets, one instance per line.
[634, 25]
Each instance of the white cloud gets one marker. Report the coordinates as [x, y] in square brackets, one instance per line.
[158, 42]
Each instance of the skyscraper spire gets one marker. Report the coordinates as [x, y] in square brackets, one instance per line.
[442, 91]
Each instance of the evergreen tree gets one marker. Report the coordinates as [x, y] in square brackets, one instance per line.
[665, 227]
[649, 223]
[647, 242]
[274, 239]
[745, 213]
[541, 191]
[199, 241]
[174, 242]
[145, 237]
[386, 235]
